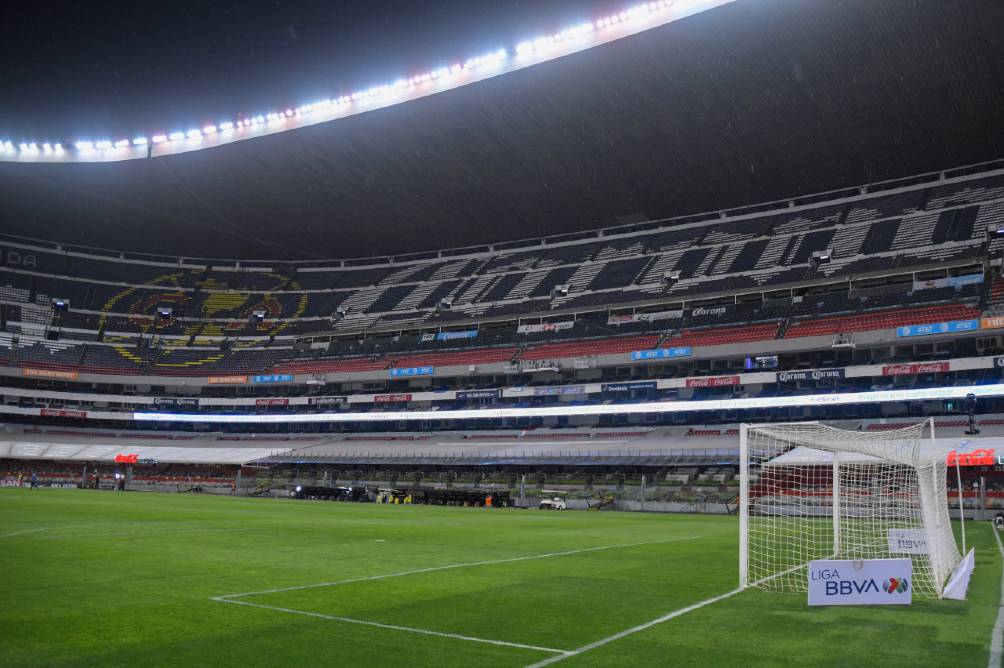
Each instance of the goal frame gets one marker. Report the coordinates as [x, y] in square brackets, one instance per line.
[744, 499]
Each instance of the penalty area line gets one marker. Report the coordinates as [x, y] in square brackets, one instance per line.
[394, 627]
[433, 569]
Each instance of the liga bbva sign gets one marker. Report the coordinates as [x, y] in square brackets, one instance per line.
[865, 582]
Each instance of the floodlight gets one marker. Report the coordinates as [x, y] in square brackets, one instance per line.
[176, 136]
[193, 133]
[209, 129]
[139, 141]
[122, 143]
[157, 139]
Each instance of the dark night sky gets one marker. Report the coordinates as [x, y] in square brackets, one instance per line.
[120, 68]
[751, 102]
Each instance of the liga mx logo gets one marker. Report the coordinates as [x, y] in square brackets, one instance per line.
[895, 585]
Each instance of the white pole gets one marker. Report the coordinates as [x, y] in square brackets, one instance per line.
[744, 491]
[958, 482]
[836, 504]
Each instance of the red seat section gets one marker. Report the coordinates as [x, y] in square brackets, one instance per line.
[483, 356]
[330, 366]
[724, 335]
[580, 348]
[863, 322]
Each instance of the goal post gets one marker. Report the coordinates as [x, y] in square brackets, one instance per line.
[809, 491]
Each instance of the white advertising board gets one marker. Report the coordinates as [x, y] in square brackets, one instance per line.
[866, 582]
[907, 541]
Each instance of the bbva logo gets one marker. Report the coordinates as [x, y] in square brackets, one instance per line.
[848, 587]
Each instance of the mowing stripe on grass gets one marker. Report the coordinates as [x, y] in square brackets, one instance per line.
[657, 621]
[634, 629]
[394, 627]
[431, 569]
[996, 639]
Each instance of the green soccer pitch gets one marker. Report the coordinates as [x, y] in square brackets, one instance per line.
[101, 578]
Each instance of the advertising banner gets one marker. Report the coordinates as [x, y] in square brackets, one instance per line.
[328, 401]
[274, 378]
[553, 391]
[713, 381]
[391, 398]
[271, 402]
[968, 279]
[938, 328]
[991, 323]
[175, 402]
[930, 284]
[412, 371]
[627, 387]
[661, 353]
[62, 412]
[866, 582]
[628, 318]
[449, 336]
[977, 457]
[710, 311]
[479, 394]
[813, 374]
[50, 373]
[227, 380]
[907, 541]
[914, 369]
[545, 327]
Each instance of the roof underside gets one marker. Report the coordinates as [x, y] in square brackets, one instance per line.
[750, 102]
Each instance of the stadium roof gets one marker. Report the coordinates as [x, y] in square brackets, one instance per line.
[748, 102]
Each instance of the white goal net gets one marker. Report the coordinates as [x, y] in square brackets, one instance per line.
[809, 491]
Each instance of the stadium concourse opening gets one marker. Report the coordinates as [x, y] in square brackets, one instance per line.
[312, 319]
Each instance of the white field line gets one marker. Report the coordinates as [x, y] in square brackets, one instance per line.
[394, 627]
[447, 567]
[657, 621]
[76, 526]
[998, 633]
[138, 533]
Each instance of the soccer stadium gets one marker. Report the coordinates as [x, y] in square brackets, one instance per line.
[580, 333]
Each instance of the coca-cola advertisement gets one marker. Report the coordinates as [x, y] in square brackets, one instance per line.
[62, 412]
[914, 369]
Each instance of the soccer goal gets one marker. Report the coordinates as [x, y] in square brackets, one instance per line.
[809, 491]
